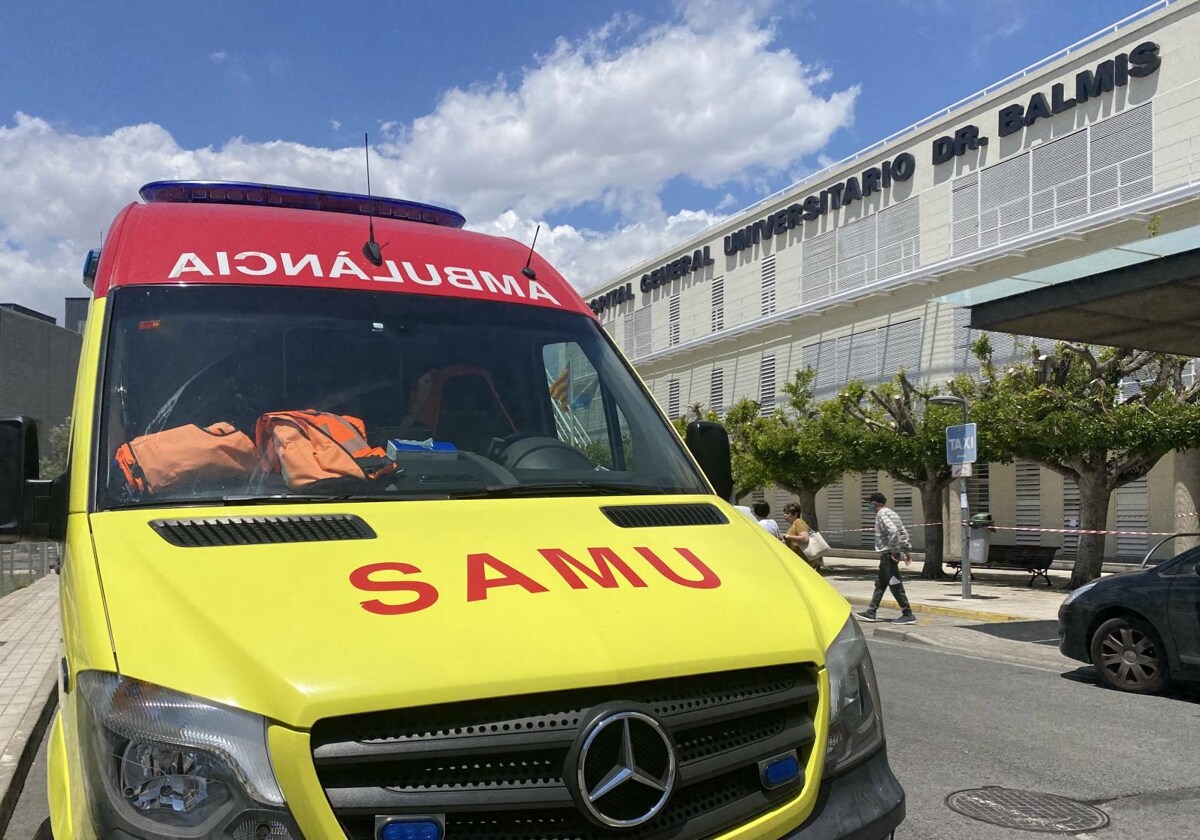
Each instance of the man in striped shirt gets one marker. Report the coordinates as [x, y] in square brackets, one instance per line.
[892, 543]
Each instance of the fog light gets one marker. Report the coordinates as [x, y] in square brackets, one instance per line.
[420, 828]
[262, 830]
[780, 770]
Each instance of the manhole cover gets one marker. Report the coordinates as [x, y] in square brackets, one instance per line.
[1027, 810]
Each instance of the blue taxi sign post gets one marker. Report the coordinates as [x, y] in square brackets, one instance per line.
[960, 444]
[961, 448]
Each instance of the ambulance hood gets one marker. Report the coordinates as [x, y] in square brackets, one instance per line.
[452, 600]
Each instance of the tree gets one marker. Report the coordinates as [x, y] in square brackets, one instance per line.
[1068, 412]
[54, 459]
[905, 435]
[804, 446]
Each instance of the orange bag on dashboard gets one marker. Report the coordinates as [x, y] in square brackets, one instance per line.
[309, 446]
[160, 461]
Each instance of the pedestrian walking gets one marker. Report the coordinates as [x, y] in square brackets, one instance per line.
[892, 543]
[797, 534]
[762, 512]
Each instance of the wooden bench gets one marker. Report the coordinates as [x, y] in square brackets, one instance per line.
[1035, 559]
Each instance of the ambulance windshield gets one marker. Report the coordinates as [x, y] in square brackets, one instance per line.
[224, 394]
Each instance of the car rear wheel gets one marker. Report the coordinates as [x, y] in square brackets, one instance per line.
[1128, 656]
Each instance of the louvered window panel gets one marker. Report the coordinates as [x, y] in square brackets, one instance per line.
[1122, 157]
[716, 391]
[902, 503]
[642, 335]
[766, 385]
[673, 321]
[673, 399]
[864, 357]
[818, 263]
[899, 239]
[1070, 515]
[870, 484]
[1029, 503]
[856, 254]
[718, 304]
[964, 337]
[902, 348]
[979, 496]
[628, 331]
[1059, 175]
[768, 285]
[964, 215]
[1004, 201]
[1133, 514]
[832, 529]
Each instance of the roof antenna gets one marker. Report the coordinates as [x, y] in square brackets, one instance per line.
[527, 270]
[371, 249]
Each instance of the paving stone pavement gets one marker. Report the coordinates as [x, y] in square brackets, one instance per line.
[29, 654]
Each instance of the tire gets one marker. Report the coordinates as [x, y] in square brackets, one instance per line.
[1128, 656]
[44, 832]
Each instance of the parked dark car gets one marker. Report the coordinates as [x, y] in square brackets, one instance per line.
[1140, 630]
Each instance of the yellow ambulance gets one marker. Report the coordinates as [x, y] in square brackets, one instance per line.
[369, 531]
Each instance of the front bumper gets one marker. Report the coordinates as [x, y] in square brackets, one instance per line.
[864, 803]
[1072, 632]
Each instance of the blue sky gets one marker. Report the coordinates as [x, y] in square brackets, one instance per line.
[622, 127]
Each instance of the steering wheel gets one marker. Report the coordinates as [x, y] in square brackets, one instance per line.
[536, 450]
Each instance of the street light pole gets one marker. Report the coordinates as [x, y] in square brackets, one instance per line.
[962, 500]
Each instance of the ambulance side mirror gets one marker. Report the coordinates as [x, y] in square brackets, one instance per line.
[709, 445]
[30, 508]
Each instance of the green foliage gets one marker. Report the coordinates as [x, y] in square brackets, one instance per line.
[803, 446]
[1066, 411]
[54, 459]
[599, 452]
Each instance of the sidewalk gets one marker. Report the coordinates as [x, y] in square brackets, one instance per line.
[29, 653]
[995, 595]
[1000, 602]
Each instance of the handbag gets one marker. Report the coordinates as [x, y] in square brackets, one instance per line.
[817, 547]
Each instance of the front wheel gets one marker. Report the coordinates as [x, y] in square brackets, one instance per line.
[44, 832]
[1128, 656]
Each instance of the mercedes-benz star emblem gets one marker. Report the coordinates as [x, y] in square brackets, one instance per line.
[624, 762]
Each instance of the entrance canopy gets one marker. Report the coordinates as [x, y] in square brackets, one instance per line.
[1144, 295]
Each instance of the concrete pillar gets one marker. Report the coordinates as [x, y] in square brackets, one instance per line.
[1187, 495]
[952, 533]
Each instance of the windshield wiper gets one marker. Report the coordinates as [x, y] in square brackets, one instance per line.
[561, 488]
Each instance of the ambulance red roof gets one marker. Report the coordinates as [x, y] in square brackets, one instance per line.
[181, 243]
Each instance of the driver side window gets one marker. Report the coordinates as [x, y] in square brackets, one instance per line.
[580, 419]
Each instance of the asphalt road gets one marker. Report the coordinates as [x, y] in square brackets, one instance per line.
[957, 722]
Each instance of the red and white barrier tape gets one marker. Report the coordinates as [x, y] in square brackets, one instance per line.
[1023, 528]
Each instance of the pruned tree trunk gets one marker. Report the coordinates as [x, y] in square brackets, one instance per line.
[807, 499]
[1094, 497]
[931, 503]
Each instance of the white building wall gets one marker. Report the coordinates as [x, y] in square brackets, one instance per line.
[1077, 183]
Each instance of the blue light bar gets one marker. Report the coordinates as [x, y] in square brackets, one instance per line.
[269, 195]
[90, 263]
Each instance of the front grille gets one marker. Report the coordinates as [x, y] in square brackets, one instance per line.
[495, 767]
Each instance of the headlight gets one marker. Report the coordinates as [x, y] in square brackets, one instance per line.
[1077, 592]
[160, 763]
[855, 716]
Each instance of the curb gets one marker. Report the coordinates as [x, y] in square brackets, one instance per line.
[33, 725]
[954, 612]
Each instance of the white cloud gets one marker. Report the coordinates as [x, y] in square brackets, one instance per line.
[604, 121]
[218, 57]
[594, 121]
[337, 124]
